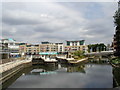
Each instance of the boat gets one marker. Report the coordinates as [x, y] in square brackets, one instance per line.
[37, 70]
[69, 59]
[48, 73]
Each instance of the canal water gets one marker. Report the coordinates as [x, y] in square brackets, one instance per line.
[89, 75]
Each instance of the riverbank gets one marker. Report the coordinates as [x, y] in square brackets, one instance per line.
[115, 62]
[3, 61]
[7, 70]
[114, 65]
[77, 61]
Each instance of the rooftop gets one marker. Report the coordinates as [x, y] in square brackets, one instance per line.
[74, 40]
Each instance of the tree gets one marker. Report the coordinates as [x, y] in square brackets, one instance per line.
[97, 47]
[117, 33]
[117, 17]
[78, 54]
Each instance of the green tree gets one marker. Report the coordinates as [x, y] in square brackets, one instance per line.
[97, 47]
[78, 54]
[117, 16]
[117, 32]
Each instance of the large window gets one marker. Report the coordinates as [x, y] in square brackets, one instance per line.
[82, 42]
[68, 43]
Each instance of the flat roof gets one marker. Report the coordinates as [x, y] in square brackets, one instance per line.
[74, 40]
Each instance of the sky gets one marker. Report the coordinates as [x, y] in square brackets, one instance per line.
[33, 22]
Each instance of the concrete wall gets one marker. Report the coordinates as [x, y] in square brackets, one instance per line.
[12, 68]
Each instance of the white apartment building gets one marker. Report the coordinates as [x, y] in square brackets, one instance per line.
[60, 47]
[76, 45]
[11, 46]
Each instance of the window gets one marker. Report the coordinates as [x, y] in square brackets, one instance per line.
[72, 44]
[68, 43]
[75, 44]
[11, 43]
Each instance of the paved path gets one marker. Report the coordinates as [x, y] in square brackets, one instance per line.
[77, 61]
[10, 65]
[100, 53]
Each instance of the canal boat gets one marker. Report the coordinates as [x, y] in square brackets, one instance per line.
[37, 61]
[72, 62]
[48, 73]
[37, 70]
[64, 60]
[50, 61]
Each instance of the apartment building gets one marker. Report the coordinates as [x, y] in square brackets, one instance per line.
[22, 48]
[28, 49]
[51, 47]
[10, 46]
[77, 45]
[32, 49]
[60, 47]
[4, 52]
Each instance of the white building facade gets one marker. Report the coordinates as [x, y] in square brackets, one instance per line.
[76, 45]
[60, 47]
[12, 47]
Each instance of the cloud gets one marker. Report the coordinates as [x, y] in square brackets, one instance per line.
[22, 18]
[55, 21]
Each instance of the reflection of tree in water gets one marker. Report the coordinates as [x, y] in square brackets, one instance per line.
[116, 75]
[94, 61]
[79, 68]
[74, 68]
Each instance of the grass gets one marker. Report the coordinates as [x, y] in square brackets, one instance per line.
[78, 58]
[116, 61]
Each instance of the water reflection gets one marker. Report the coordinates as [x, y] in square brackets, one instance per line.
[116, 77]
[57, 69]
[89, 75]
[16, 76]
[76, 69]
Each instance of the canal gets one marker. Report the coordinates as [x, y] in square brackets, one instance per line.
[87, 75]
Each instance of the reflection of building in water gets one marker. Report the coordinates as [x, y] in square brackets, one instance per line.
[59, 66]
[76, 69]
[89, 65]
[116, 77]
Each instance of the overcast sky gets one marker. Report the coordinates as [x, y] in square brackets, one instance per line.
[34, 22]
